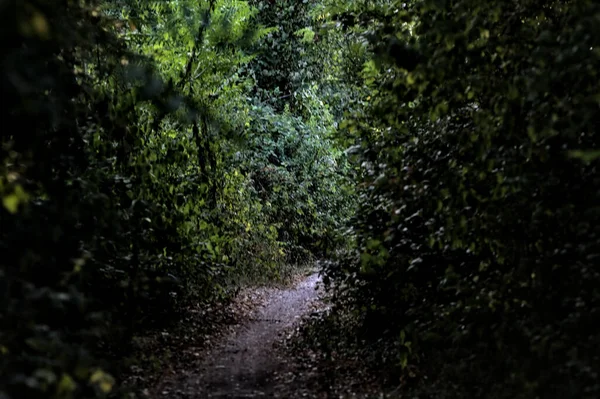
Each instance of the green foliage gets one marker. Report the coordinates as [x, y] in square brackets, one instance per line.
[299, 177]
[132, 179]
[297, 174]
[477, 229]
[69, 230]
[282, 66]
[163, 152]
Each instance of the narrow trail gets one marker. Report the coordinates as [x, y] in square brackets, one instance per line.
[245, 363]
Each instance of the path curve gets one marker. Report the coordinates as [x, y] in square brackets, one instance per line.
[245, 364]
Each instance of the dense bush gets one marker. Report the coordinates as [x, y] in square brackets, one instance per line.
[296, 169]
[55, 203]
[300, 179]
[121, 193]
[281, 67]
[160, 152]
[477, 231]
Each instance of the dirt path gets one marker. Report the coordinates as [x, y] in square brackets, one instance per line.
[245, 364]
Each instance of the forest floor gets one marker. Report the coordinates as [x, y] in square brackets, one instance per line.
[249, 354]
[244, 364]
